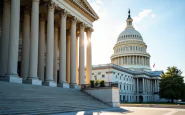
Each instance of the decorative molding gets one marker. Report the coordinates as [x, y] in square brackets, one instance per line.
[64, 14]
[74, 20]
[51, 6]
[82, 26]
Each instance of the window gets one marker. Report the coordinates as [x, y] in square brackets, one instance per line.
[129, 23]
[120, 77]
[103, 76]
[116, 76]
[92, 73]
[99, 73]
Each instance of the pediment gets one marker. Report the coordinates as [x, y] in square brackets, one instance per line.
[87, 7]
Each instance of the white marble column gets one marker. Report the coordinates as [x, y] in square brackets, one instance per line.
[50, 46]
[55, 66]
[81, 55]
[13, 44]
[42, 38]
[155, 85]
[88, 57]
[137, 85]
[73, 54]
[77, 61]
[68, 57]
[143, 85]
[64, 63]
[25, 45]
[33, 61]
[5, 38]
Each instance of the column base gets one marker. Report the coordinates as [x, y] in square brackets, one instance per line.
[74, 86]
[11, 79]
[63, 85]
[32, 81]
[49, 83]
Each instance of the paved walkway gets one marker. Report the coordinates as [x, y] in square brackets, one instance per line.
[131, 111]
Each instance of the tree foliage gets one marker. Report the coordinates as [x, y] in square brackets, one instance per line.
[172, 84]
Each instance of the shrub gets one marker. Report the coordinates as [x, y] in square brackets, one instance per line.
[92, 83]
[97, 82]
[102, 83]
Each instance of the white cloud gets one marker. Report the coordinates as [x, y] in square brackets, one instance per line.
[142, 15]
[153, 15]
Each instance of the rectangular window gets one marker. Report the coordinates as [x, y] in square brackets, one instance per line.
[103, 76]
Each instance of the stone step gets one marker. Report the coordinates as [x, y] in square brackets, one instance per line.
[28, 99]
[47, 111]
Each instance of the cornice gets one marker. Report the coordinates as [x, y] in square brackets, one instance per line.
[95, 16]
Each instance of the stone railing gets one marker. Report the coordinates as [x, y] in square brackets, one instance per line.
[98, 85]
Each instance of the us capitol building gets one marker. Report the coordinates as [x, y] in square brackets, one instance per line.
[130, 67]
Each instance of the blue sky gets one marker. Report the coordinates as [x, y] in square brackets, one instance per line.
[160, 22]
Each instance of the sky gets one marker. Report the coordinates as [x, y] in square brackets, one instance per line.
[160, 22]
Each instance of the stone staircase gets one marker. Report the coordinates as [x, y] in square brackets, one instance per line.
[29, 99]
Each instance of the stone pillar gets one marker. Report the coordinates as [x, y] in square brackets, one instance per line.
[154, 85]
[88, 57]
[137, 85]
[42, 37]
[55, 67]
[13, 44]
[73, 54]
[77, 61]
[5, 38]
[68, 58]
[32, 78]
[81, 55]
[143, 85]
[63, 62]
[50, 46]
[25, 45]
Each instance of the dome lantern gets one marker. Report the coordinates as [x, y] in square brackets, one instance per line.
[129, 21]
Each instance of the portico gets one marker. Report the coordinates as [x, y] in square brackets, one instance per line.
[44, 39]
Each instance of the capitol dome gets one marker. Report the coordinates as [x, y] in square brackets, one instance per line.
[129, 34]
[130, 51]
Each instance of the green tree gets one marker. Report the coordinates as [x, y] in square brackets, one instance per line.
[172, 84]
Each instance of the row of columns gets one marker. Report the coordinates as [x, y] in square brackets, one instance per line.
[33, 46]
[148, 85]
[135, 60]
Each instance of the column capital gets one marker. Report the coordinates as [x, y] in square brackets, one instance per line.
[89, 30]
[64, 14]
[51, 6]
[82, 26]
[74, 20]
